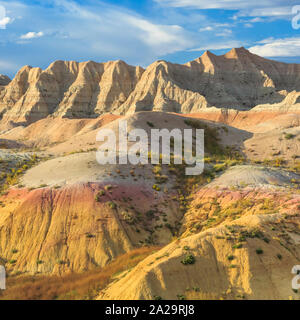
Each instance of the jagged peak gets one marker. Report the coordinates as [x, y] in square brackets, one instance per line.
[24, 71]
[158, 63]
[119, 61]
[209, 54]
[161, 62]
[25, 68]
[61, 64]
[237, 52]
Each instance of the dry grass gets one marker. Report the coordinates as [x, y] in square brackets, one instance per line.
[73, 286]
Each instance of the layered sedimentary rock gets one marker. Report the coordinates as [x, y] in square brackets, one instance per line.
[290, 103]
[68, 89]
[4, 80]
[237, 80]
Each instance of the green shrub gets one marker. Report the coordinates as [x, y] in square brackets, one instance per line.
[189, 259]
[99, 194]
[289, 136]
[89, 235]
[157, 169]
[266, 240]
[259, 251]
[230, 258]
[150, 124]
[112, 205]
[150, 214]
[220, 167]
[237, 246]
[156, 187]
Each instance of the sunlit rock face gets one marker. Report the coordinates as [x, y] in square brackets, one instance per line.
[237, 80]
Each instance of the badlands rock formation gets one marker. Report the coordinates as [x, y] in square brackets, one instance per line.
[290, 103]
[238, 80]
[4, 80]
[232, 232]
[68, 89]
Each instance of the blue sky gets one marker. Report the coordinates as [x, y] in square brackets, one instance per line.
[38, 32]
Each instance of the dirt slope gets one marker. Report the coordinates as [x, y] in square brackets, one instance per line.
[213, 275]
[62, 230]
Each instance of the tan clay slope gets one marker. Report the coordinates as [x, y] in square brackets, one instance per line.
[68, 229]
[50, 132]
[241, 191]
[238, 79]
[244, 241]
[274, 135]
[58, 220]
[246, 274]
[254, 176]
[251, 120]
[58, 135]
[82, 167]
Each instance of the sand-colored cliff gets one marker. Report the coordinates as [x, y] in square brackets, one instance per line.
[237, 80]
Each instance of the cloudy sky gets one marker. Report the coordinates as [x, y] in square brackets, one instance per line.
[37, 32]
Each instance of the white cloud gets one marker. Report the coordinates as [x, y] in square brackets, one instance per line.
[224, 33]
[209, 28]
[287, 47]
[268, 12]
[8, 66]
[204, 4]
[167, 39]
[214, 27]
[257, 19]
[254, 8]
[219, 46]
[4, 20]
[226, 4]
[110, 27]
[32, 35]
